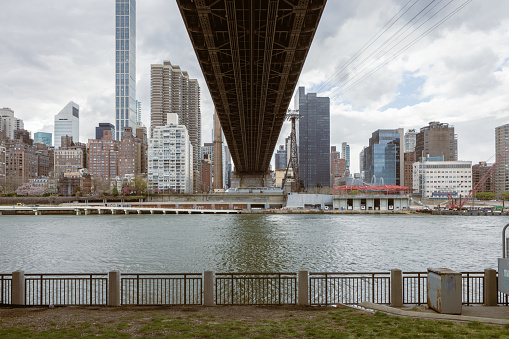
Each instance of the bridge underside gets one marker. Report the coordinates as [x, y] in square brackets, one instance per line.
[251, 54]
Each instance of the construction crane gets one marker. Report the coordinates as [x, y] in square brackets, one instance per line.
[459, 205]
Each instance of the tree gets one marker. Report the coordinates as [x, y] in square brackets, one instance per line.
[114, 191]
[485, 195]
[27, 189]
[504, 195]
[140, 186]
[354, 192]
[126, 190]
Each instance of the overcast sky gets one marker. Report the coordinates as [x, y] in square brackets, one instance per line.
[56, 51]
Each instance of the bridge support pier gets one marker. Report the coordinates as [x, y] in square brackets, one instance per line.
[126, 211]
[139, 211]
[78, 212]
[87, 212]
[113, 212]
[99, 211]
[251, 181]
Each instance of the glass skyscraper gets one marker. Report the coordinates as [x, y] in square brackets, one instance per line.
[125, 66]
[383, 159]
[313, 139]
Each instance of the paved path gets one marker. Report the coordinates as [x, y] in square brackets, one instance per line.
[498, 315]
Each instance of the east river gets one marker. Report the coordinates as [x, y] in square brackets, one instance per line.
[247, 243]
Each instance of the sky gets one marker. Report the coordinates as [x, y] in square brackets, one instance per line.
[380, 73]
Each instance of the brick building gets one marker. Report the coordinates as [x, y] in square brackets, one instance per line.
[478, 172]
[103, 156]
[409, 158]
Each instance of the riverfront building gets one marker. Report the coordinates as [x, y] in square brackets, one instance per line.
[170, 158]
[9, 124]
[67, 123]
[437, 140]
[502, 158]
[384, 159]
[313, 139]
[172, 91]
[482, 171]
[125, 66]
[130, 153]
[45, 138]
[438, 179]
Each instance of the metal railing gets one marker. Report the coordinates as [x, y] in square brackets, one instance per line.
[256, 288]
[349, 288]
[66, 289]
[232, 288]
[415, 288]
[162, 289]
[5, 289]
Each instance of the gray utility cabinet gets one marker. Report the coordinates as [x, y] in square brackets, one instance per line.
[503, 275]
[444, 290]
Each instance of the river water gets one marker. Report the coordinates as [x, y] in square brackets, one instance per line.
[247, 243]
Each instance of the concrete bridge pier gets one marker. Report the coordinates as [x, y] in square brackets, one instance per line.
[126, 211]
[164, 212]
[139, 211]
[78, 212]
[87, 212]
[151, 211]
[113, 211]
[176, 212]
[99, 211]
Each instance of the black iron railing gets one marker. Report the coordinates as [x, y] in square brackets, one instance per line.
[162, 289]
[349, 288]
[66, 289]
[5, 289]
[256, 288]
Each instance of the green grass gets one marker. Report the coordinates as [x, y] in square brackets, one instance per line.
[343, 323]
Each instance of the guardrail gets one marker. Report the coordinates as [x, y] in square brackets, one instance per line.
[349, 288]
[256, 288]
[66, 289]
[315, 288]
[161, 289]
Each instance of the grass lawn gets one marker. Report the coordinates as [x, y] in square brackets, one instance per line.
[229, 321]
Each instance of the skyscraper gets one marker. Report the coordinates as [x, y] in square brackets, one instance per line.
[125, 65]
[67, 123]
[313, 139]
[9, 123]
[502, 158]
[345, 154]
[437, 140]
[172, 91]
[280, 158]
[384, 157]
[45, 138]
[410, 139]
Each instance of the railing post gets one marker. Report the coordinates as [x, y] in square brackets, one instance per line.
[396, 288]
[114, 296]
[208, 288]
[490, 287]
[303, 288]
[18, 288]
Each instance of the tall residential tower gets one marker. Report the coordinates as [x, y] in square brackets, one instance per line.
[172, 91]
[125, 66]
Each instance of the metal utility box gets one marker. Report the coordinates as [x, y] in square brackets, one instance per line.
[444, 290]
[503, 275]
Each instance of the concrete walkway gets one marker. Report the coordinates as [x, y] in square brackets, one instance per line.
[497, 315]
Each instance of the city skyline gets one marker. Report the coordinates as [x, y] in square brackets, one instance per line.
[457, 74]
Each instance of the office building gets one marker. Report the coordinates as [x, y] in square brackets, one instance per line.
[138, 111]
[45, 138]
[502, 158]
[345, 154]
[280, 158]
[9, 124]
[170, 158]
[227, 167]
[313, 139]
[172, 91]
[437, 140]
[410, 140]
[67, 123]
[103, 156]
[384, 159]
[125, 66]
[439, 179]
[99, 130]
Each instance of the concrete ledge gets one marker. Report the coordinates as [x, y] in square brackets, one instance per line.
[435, 316]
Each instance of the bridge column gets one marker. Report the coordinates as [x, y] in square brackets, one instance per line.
[164, 211]
[99, 211]
[87, 212]
[176, 212]
[139, 211]
[151, 211]
[113, 211]
[126, 211]
[78, 212]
